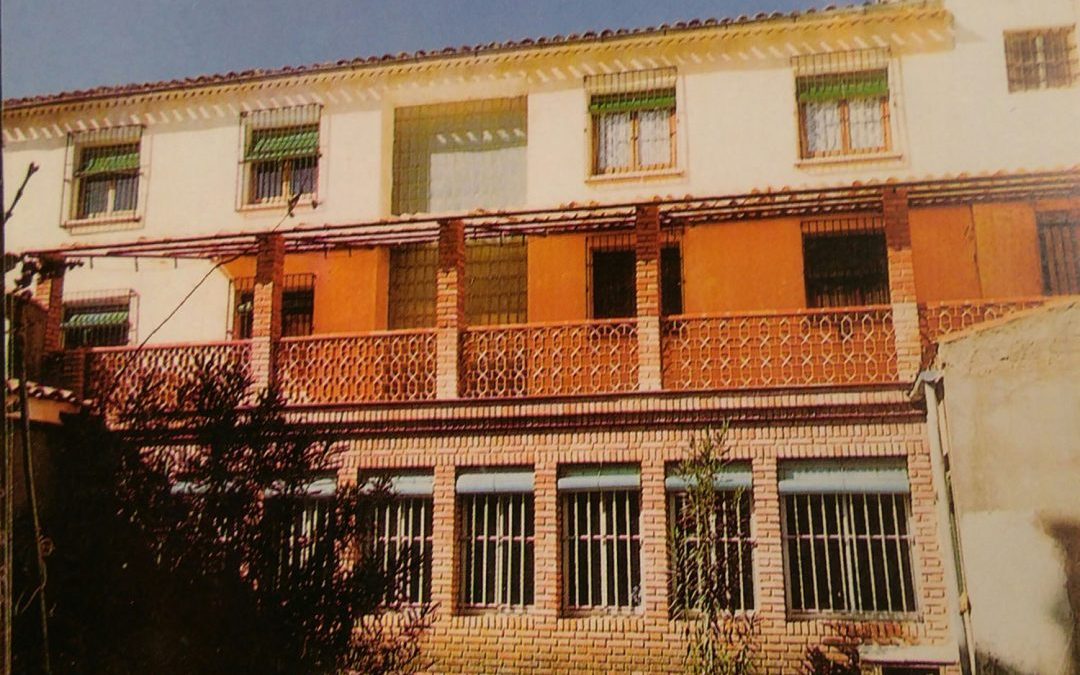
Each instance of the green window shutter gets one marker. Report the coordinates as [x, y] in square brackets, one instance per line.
[96, 319]
[111, 159]
[274, 144]
[823, 88]
[629, 102]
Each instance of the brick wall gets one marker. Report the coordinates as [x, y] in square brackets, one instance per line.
[543, 638]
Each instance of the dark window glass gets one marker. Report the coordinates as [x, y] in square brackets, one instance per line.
[1059, 244]
[671, 280]
[614, 291]
[846, 269]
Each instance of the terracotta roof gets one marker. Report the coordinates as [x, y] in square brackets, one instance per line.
[43, 392]
[257, 74]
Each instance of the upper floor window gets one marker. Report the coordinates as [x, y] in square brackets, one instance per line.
[633, 121]
[612, 277]
[1040, 59]
[843, 103]
[297, 306]
[460, 156]
[712, 554]
[105, 175]
[845, 262]
[98, 319]
[601, 532]
[281, 155]
[496, 538]
[847, 536]
[1059, 243]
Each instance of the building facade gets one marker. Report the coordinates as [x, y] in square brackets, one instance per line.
[520, 278]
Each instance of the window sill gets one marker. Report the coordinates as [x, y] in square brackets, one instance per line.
[849, 159]
[89, 223]
[307, 202]
[603, 178]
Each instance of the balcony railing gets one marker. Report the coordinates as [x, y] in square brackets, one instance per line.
[847, 346]
[561, 359]
[116, 374]
[384, 366]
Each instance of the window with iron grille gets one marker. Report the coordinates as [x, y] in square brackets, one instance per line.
[98, 319]
[845, 262]
[460, 156]
[633, 120]
[297, 306]
[728, 542]
[601, 531]
[281, 154]
[847, 540]
[497, 272]
[1040, 59]
[105, 176]
[301, 529]
[399, 533]
[612, 276]
[496, 538]
[413, 274]
[843, 102]
[1059, 244]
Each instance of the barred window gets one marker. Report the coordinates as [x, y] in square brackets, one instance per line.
[717, 554]
[281, 154]
[301, 528]
[497, 288]
[633, 120]
[106, 173]
[496, 538]
[460, 156]
[399, 533]
[297, 306]
[1059, 244]
[413, 274]
[601, 510]
[98, 319]
[845, 262]
[612, 276]
[843, 103]
[847, 542]
[1040, 59]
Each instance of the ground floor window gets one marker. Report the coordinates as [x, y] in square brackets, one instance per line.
[399, 533]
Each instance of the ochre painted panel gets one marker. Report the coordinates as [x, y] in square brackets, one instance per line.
[1008, 250]
[557, 278]
[943, 253]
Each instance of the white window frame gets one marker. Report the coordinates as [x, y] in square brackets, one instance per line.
[79, 144]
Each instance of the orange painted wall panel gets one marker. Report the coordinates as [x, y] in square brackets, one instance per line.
[350, 288]
[557, 278]
[743, 266]
[943, 253]
[1008, 250]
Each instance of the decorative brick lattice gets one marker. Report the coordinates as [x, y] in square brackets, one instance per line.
[937, 320]
[116, 374]
[387, 366]
[550, 359]
[855, 346]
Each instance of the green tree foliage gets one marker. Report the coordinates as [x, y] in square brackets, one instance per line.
[720, 641]
[189, 541]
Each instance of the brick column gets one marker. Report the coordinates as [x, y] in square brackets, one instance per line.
[449, 307]
[905, 311]
[49, 293]
[548, 583]
[654, 538]
[647, 229]
[266, 313]
[444, 548]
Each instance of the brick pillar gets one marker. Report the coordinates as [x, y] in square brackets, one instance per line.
[445, 554]
[449, 307]
[548, 583]
[266, 313]
[654, 538]
[49, 293]
[905, 311]
[647, 229]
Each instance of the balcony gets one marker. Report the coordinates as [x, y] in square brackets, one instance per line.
[854, 346]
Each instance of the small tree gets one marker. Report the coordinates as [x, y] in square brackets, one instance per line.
[720, 640]
[204, 523]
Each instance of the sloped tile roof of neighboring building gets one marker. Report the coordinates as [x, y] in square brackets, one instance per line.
[257, 74]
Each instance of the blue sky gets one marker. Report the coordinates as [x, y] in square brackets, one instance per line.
[56, 45]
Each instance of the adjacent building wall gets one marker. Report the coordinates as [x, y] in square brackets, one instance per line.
[1011, 403]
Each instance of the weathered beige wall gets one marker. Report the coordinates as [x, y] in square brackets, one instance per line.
[1012, 401]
